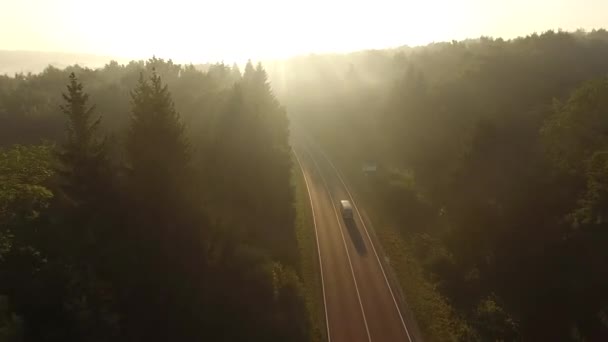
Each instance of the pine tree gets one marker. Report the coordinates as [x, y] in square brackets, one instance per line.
[83, 156]
[248, 73]
[157, 149]
[165, 229]
[87, 225]
[158, 167]
[253, 164]
[235, 73]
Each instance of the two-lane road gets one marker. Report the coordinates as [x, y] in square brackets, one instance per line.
[359, 303]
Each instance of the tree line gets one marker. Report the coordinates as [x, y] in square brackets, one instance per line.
[152, 201]
[493, 164]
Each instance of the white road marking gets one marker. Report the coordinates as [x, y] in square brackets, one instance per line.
[345, 245]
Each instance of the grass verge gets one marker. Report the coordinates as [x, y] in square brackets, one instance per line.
[309, 263]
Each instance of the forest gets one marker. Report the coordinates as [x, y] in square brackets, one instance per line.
[154, 201]
[492, 166]
[146, 202]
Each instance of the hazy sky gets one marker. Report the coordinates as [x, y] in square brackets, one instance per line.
[239, 29]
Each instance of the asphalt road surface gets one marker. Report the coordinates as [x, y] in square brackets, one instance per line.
[360, 305]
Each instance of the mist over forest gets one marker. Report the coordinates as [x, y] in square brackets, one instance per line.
[150, 200]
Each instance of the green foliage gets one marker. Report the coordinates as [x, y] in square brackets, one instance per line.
[81, 130]
[83, 156]
[252, 165]
[24, 196]
[493, 322]
[577, 130]
[594, 202]
[24, 172]
[157, 150]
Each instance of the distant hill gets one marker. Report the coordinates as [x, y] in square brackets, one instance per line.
[21, 61]
[12, 62]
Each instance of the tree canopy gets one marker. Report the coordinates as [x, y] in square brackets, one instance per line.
[128, 228]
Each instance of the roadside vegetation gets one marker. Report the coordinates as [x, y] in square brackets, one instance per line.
[310, 270]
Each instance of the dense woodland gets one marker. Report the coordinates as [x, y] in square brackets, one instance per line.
[493, 159]
[153, 200]
[150, 202]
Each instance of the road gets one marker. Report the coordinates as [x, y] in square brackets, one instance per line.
[360, 305]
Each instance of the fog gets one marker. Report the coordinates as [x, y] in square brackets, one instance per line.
[176, 172]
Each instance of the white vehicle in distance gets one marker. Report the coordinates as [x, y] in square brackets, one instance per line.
[347, 209]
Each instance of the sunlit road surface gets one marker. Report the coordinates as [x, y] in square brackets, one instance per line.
[360, 305]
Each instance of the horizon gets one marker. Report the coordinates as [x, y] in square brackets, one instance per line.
[212, 32]
[121, 59]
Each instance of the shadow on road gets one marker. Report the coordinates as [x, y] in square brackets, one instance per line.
[355, 235]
